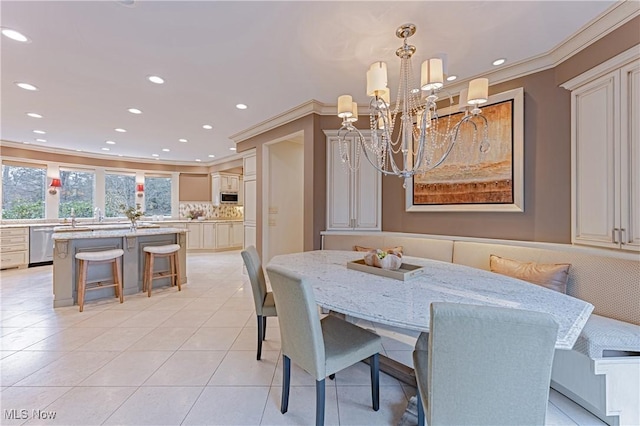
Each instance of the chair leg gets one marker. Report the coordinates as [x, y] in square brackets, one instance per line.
[420, 409]
[320, 402]
[286, 382]
[82, 280]
[116, 277]
[150, 275]
[176, 259]
[332, 376]
[374, 363]
[260, 334]
[264, 328]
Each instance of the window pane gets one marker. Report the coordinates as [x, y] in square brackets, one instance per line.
[120, 189]
[23, 191]
[76, 193]
[157, 195]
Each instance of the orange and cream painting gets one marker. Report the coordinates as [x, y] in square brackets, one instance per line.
[469, 176]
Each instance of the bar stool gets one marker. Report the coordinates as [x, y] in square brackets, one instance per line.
[150, 253]
[96, 257]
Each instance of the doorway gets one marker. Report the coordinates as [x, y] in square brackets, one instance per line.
[283, 196]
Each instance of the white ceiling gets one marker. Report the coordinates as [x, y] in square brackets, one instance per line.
[90, 60]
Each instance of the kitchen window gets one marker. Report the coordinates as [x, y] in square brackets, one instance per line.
[119, 190]
[23, 191]
[157, 195]
[77, 193]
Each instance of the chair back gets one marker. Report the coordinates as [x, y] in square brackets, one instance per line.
[488, 365]
[256, 276]
[300, 329]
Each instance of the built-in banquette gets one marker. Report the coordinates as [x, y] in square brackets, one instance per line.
[602, 371]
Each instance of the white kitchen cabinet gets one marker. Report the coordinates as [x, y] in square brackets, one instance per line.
[229, 235]
[249, 195]
[221, 182]
[240, 191]
[201, 236]
[194, 236]
[605, 133]
[353, 197]
[14, 247]
[237, 235]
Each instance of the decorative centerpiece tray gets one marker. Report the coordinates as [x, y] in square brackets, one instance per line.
[404, 273]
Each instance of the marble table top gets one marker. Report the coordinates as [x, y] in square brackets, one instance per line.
[115, 233]
[405, 304]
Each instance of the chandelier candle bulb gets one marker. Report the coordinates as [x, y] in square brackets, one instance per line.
[431, 74]
[478, 91]
[345, 106]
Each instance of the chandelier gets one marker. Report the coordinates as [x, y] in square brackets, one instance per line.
[422, 140]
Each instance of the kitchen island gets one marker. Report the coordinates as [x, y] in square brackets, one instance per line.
[69, 241]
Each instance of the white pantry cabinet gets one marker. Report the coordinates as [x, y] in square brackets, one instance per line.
[354, 198]
[605, 135]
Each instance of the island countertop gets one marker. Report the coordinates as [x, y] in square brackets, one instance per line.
[114, 233]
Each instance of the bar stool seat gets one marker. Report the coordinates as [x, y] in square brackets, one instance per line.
[169, 251]
[96, 257]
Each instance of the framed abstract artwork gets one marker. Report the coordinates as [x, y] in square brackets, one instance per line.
[471, 180]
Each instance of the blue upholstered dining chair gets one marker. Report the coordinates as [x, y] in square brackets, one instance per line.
[263, 299]
[320, 347]
[482, 365]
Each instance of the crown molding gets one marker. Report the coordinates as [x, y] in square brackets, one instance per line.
[617, 15]
[74, 153]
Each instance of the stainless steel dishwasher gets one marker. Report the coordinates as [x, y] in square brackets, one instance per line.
[40, 245]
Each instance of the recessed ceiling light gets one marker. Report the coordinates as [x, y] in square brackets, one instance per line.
[241, 106]
[110, 142]
[120, 155]
[26, 86]
[166, 149]
[79, 150]
[499, 61]
[232, 149]
[41, 140]
[15, 35]
[182, 140]
[415, 91]
[34, 115]
[154, 155]
[120, 130]
[106, 149]
[198, 160]
[452, 77]
[211, 156]
[26, 143]
[134, 111]
[207, 126]
[40, 132]
[155, 79]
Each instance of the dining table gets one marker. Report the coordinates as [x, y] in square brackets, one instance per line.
[406, 304]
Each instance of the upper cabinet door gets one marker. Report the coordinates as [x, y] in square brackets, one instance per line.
[339, 189]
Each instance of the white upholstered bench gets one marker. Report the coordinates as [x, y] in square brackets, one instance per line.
[602, 371]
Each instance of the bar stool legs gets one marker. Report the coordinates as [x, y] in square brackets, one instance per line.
[170, 252]
[97, 257]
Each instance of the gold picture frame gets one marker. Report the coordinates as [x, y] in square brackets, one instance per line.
[495, 180]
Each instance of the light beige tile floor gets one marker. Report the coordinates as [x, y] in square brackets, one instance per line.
[177, 358]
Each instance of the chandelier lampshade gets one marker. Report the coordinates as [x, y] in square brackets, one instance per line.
[422, 139]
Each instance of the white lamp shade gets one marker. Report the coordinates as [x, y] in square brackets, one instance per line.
[478, 91]
[431, 75]
[345, 106]
[376, 78]
[354, 112]
[462, 101]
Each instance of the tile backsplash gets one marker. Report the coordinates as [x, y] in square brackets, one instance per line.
[212, 212]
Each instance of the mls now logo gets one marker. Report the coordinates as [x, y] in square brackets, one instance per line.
[15, 414]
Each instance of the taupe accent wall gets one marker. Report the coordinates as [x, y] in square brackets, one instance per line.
[547, 158]
[195, 187]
